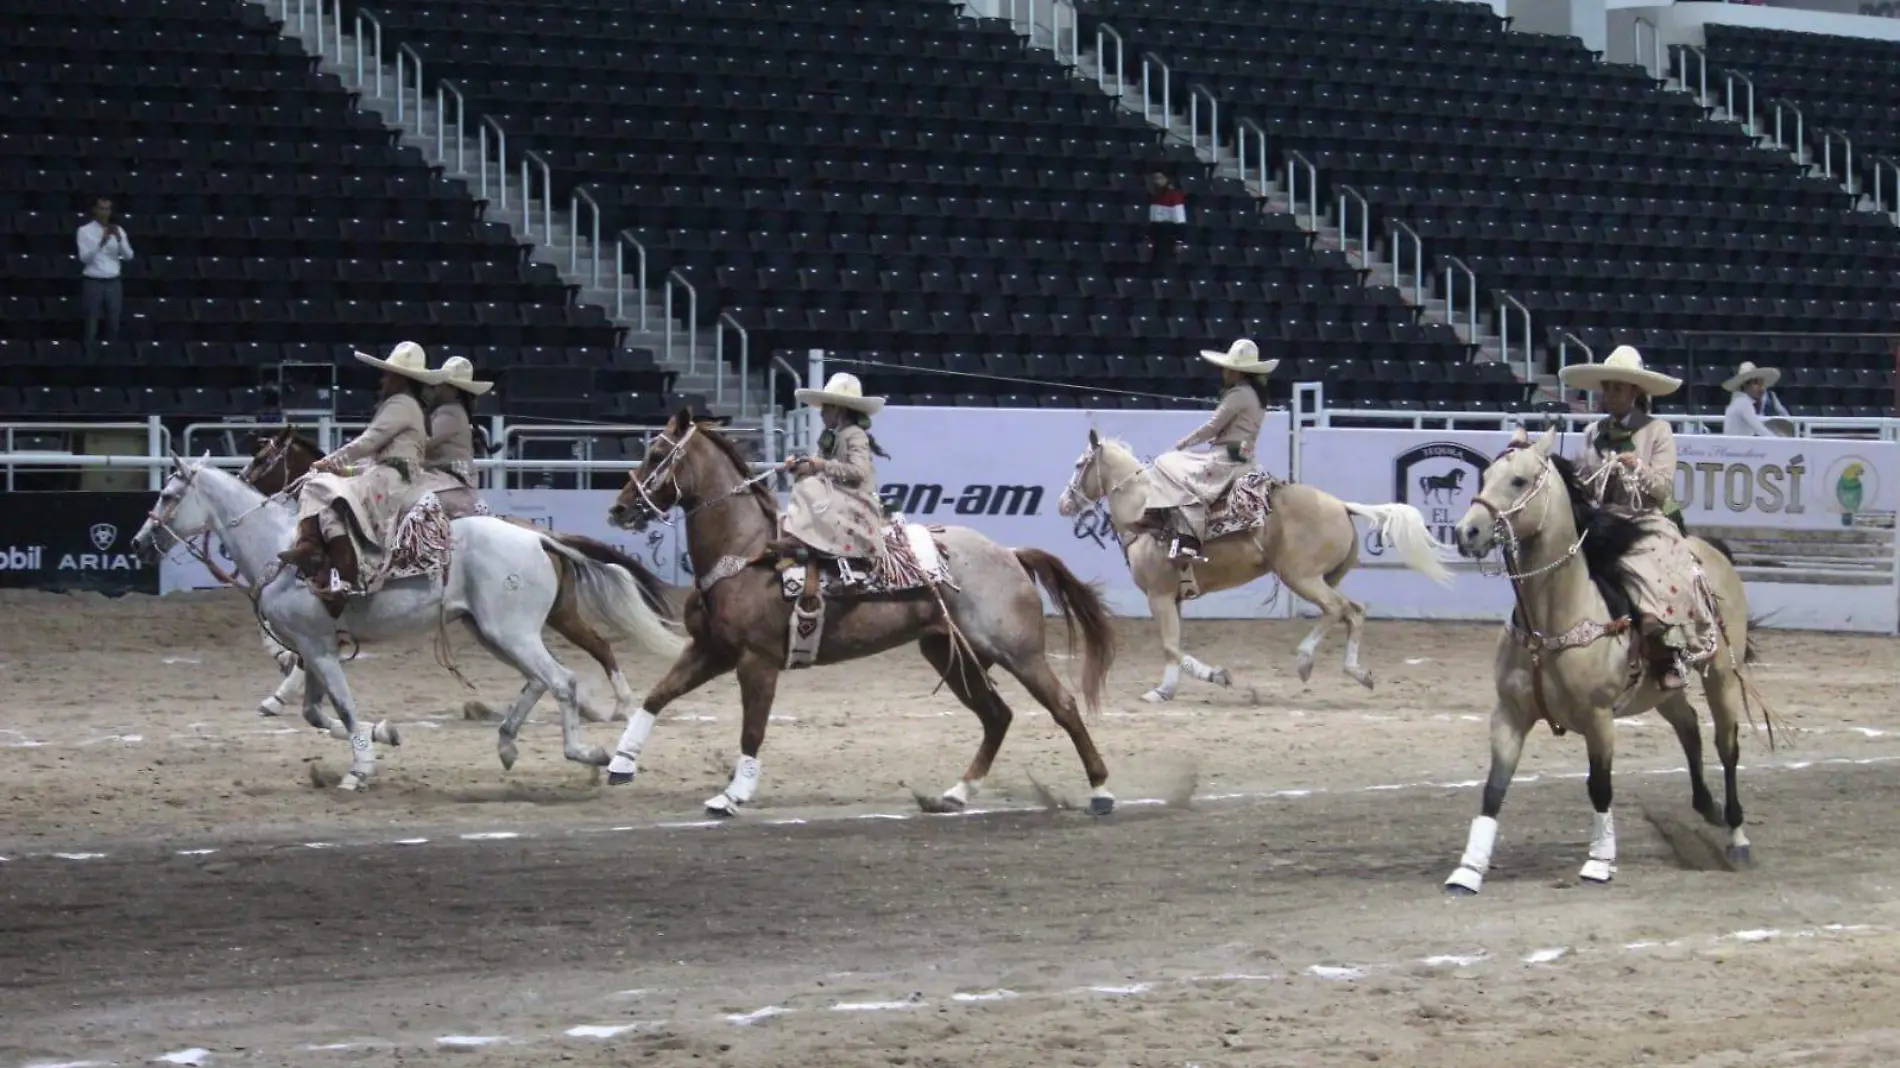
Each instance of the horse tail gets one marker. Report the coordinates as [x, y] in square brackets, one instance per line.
[653, 590]
[1403, 528]
[1082, 608]
[610, 600]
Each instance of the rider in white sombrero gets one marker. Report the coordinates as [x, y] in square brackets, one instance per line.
[1631, 455]
[834, 508]
[1182, 485]
[449, 456]
[353, 498]
[1750, 401]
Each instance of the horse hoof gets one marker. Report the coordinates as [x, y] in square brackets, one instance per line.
[1101, 805]
[1363, 678]
[386, 733]
[1464, 882]
[270, 706]
[722, 807]
[1454, 890]
[1597, 872]
[1305, 669]
[1220, 677]
[620, 778]
[1740, 856]
[1156, 697]
[949, 802]
[508, 754]
[352, 782]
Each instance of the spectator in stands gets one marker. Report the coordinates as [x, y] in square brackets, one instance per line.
[103, 250]
[1167, 210]
[1749, 400]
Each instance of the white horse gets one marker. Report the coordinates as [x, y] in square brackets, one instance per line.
[502, 581]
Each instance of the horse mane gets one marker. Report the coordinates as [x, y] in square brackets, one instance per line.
[709, 430]
[1609, 535]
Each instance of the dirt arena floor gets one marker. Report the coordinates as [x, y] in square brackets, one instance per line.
[176, 889]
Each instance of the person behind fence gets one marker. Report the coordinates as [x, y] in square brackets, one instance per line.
[448, 459]
[1629, 457]
[835, 510]
[352, 500]
[1750, 405]
[1181, 484]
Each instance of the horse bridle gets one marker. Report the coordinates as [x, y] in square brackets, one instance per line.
[1072, 493]
[663, 474]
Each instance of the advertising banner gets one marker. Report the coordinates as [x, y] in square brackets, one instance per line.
[74, 541]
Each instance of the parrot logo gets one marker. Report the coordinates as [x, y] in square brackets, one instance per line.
[1850, 488]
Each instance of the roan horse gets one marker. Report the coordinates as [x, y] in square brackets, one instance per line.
[1308, 540]
[280, 460]
[502, 580]
[738, 620]
[1564, 655]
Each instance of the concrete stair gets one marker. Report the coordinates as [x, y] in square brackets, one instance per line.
[554, 240]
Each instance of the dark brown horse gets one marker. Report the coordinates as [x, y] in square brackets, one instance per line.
[279, 460]
[738, 619]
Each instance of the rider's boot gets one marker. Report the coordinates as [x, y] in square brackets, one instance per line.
[342, 578]
[1664, 663]
[306, 554]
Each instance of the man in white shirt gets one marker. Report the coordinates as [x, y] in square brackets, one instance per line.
[1750, 401]
[103, 251]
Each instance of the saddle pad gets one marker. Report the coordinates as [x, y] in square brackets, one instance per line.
[914, 559]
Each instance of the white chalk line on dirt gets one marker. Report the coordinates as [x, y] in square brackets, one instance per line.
[1290, 794]
[1553, 956]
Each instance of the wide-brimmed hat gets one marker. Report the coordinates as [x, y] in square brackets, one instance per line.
[1623, 365]
[458, 372]
[1242, 356]
[1748, 372]
[406, 359]
[843, 390]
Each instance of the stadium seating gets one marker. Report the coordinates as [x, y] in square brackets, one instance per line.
[913, 189]
[1614, 210]
[271, 222]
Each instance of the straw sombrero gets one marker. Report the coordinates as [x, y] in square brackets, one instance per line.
[1748, 372]
[1623, 365]
[406, 359]
[845, 391]
[458, 372]
[1242, 356]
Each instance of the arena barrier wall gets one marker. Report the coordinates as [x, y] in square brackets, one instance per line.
[74, 541]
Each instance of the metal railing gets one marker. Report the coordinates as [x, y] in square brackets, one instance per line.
[375, 50]
[1829, 136]
[1154, 69]
[1800, 144]
[1729, 78]
[1396, 236]
[1103, 34]
[727, 322]
[676, 279]
[1197, 93]
[1348, 196]
[527, 197]
[1884, 165]
[1655, 66]
[1565, 339]
[1683, 52]
[1251, 141]
[442, 124]
[621, 241]
[158, 441]
[501, 161]
[1296, 164]
[574, 201]
[1453, 268]
[1065, 28]
[401, 92]
[1506, 303]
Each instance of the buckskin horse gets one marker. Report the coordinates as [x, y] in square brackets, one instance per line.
[980, 609]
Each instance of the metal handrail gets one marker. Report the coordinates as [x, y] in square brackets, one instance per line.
[1074, 58]
[321, 37]
[1800, 146]
[673, 277]
[1347, 196]
[1103, 32]
[745, 361]
[1702, 70]
[793, 440]
[401, 51]
[337, 34]
[1887, 165]
[441, 124]
[1829, 135]
[574, 202]
[1730, 77]
[1148, 61]
[621, 241]
[1564, 340]
[1295, 162]
[1398, 231]
[376, 50]
[527, 196]
[1243, 127]
[1505, 303]
[1196, 93]
[1453, 263]
[1655, 47]
[501, 160]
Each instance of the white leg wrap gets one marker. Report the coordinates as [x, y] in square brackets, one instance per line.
[1477, 859]
[1737, 840]
[961, 793]
[1197, 669]
[745, 780]
[1170, 681]
[627, 754]
[1602, 863]
[362, 750]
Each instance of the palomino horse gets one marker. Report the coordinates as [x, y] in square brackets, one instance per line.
[738, 617]
[279, 461]
[1307, 539]
[1565, 654]
[501, 579]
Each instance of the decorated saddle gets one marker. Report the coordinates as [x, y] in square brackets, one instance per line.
[914, 559]
[1245, 506]
[421, 546]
